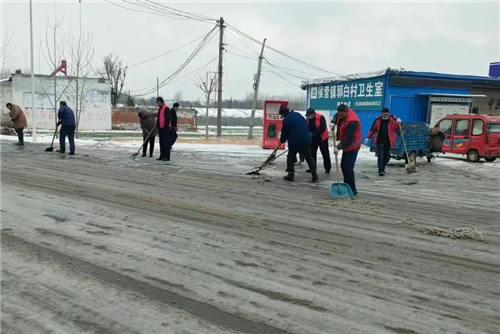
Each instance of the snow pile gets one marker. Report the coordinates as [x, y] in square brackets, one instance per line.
[458, 233]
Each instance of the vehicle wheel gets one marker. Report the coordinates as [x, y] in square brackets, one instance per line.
[490, 159]
[473, 156]
[429, 158]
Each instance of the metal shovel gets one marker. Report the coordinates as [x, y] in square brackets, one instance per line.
[339, 189]
[51, 148]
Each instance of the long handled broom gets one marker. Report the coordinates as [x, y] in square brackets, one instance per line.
[339, 189]
[133, 156]
[410, 166]
[271, 158]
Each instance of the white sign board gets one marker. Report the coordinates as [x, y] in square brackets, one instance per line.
[441, 110]
[95, 108]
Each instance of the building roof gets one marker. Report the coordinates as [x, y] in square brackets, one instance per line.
[49, 76]
[476, 80]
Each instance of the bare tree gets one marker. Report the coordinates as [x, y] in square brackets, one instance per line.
[207, 86]
[81, 52]
[53, 54]
[178, 96]
[5, 52]
[114, 71]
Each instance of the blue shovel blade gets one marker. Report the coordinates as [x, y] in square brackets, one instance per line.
[341, 190]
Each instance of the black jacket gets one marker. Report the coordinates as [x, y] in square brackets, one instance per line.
[316, 133]
[170, 116]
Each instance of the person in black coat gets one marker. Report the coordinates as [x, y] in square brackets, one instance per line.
[319, 135]
[166, 124]
[149, 131]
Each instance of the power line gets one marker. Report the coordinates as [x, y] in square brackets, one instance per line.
[229, 31]
[197, 50]
[278, 51]
[227, 78]
[236, 54]
[278, 74]
[166, 53]
[189, 74]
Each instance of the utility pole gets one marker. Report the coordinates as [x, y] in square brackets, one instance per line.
[157, 86]
[256, 91]
[219, 86]
[33, 112]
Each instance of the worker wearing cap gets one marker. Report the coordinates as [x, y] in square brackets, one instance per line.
[384, 130]
[349, 135]
[297, 135]
[319, 136]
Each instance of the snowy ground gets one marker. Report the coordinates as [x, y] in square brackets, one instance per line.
[101, 243]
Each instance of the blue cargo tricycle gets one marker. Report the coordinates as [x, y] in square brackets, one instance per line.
[417, 142]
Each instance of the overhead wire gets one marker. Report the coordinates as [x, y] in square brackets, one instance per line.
[198, 48]
[229, 26]
[166, 53]
[185, 76]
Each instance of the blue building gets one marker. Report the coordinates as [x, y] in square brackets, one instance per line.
[411, 96]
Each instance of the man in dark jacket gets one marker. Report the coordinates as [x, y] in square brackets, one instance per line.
[299, 140]
[385, 129]
[319, 135]
[175, 107]
[166, 122]
[68, 125]
[149, 131]
[349, 136]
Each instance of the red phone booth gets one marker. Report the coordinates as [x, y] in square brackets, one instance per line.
[271, 131]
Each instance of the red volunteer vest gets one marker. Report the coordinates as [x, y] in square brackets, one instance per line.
[356, 143]
[317, 120]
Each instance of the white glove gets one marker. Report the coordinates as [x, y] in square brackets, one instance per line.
[335, 151]
[366, 141]
[399, 120]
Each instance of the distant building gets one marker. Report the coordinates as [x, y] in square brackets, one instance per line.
[412, 96]
[95, 101]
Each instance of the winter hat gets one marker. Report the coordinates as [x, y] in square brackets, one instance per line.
[310, 111]
[283, 110]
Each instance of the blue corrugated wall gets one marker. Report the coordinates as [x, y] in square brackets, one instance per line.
[404, 102]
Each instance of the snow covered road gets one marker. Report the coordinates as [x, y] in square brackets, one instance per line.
[100, 243]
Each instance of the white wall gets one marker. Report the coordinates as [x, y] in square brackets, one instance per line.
[5, 97]
[482, 102]
[96, 111]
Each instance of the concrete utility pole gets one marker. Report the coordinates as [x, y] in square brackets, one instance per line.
[256, 91]
[219, 86]
[33, 113]
[157, 86]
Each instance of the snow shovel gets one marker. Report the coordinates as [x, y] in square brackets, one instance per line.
[339, 189]
[133, 156]
[272, 157]
[51, 148]
[410, 167]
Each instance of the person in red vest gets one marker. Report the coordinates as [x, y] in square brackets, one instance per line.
[166, 124]
[319, 135]
[349, 136]
[384, 128]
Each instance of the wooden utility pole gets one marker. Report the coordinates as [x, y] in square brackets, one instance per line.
[219, 86]
[256, 91]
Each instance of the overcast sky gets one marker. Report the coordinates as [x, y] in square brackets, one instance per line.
[342, 37]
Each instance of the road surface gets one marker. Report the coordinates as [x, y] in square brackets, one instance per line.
[99, 243]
